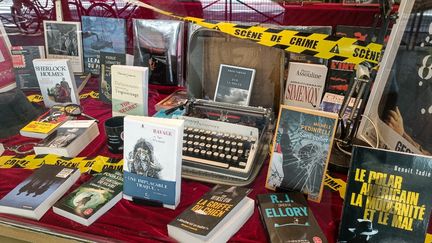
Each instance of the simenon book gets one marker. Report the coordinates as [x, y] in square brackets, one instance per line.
[107, 59]
[388, 198]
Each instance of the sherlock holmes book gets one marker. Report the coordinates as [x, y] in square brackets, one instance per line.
[388, 198]
[287, 218]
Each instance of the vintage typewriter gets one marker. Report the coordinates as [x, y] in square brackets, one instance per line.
[225, 143]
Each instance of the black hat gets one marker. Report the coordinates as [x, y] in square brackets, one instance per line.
[364, 227]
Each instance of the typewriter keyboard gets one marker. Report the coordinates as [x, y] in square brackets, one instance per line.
[219, 147]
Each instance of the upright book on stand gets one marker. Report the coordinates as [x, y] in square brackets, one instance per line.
[388, 197]
[107, 59]
[153, 159]
[36, 194]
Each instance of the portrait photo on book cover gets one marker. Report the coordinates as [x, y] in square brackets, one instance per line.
[62, 39]
[61, 92]
[142, 160]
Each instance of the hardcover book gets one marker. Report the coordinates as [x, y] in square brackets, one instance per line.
[301, 150]
[215, 217]
[234, 84]
[101, 34]
[107, 59]
[129, 90]
[287, 218]
[22, 57]
[63, 41]
[69, 139]
[56, 81]
[45, 124]
[147, 162]
[92, 199]
[175, 99]
[7, 76]
[36, 194]
[388, 197]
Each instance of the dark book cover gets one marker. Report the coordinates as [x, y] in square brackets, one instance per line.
[201, 217]
[301, 150]
[388, 197]
[86, 200]
[34, 190]
[107, 59]
[287, 218]
[101, 34]
[22, 57]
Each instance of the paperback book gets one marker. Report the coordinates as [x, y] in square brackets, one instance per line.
[107, 59]
[92, 199]
[36, 194]
[175, 99]
[150, 172]
[287, 218]
[63, 41]
[301, 150]
[22, 57]
[129, 90]
[215, 217]
[101, 34]
[69, 139]
[56, 81]
[388, 197]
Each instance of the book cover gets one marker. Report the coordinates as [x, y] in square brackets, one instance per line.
[287, 218]
[205, 214]
[107, 59]
[173, 100]
[93, 198]
[63, 41]
[301, 150]
[388, 198]
[7, 76]
[42, 189]
[129, 90]
[101, 34]
[305, 85]
[150, 172]
[22, 57]
[234, 84]
[56, 81]
[45, 124]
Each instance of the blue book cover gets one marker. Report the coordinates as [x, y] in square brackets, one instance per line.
[101, 34]
[301, 150]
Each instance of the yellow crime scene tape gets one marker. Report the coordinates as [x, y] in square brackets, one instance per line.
[323, 46]
[35, 98]
[85, 164]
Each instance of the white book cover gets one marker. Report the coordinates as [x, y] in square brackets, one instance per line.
[63, 40]
[153, 159]
[305, 85]
[56, 81]
[129, 90]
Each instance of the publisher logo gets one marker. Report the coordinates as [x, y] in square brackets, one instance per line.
[122, 136]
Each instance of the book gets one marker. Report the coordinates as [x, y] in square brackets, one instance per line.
[146, 161]
[301, 150]
[56, 81]
[107, 59]
[387, 197]
[287, 218]
[129, 90]
[81, 81]
[175, 99]
[69, 139]
[7, 76]
[234, 84]
[63, 41]
[101, 34]
[22, 57]
[36, 194]
[333, 103]
[305, 85]
[215, 217]
[46, 123]
[92, 199]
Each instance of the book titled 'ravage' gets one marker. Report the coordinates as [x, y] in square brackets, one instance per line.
[287, 218]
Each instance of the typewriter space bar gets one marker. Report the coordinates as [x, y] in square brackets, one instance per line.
[207, 162]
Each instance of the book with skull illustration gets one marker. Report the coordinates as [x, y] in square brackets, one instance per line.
[36, 194]
[152, 160]
[301, 150]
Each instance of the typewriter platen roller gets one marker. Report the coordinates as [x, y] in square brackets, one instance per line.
[225, 143]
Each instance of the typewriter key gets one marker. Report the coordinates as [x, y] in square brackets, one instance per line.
[203, 153]
[227, 143]
[209, 154]
[227, 150]
[220, 149]
[202, 145]
[228, 157]
[208, 147]
[214, 148]
[222, 156]
[233, 151]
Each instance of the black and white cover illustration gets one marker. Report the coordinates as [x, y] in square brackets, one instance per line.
[234, 84]
[63, 40]
[158, 46]
[62, 137]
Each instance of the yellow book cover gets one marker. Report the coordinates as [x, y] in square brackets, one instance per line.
[46, 123]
